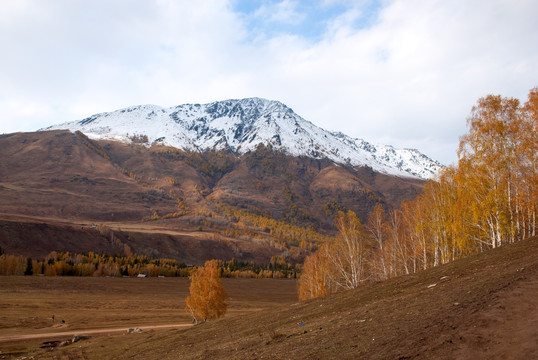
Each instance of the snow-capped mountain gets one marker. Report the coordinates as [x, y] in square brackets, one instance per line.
[241, 125]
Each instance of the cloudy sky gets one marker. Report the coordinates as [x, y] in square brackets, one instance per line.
[399, 72]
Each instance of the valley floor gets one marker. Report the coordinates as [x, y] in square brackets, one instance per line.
[107, 307]
[481, 307]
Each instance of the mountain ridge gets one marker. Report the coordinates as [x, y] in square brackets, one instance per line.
[240, 125]
[67, 176]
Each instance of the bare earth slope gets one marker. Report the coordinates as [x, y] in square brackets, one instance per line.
[66, 175]
[37, 237]
[481, 307]
[70, 183]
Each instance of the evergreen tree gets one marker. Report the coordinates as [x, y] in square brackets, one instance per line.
[29, 268]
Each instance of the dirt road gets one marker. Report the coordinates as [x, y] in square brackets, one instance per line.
[102, 331]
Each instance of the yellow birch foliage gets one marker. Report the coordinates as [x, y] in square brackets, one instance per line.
[338, 264]
[497, 166]
[348, 251]
[207, 300]
[527, 195]
[315, 276]
[377, 233]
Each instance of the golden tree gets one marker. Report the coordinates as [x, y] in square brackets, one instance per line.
[315, 277]
[338, 264]
[347, 252]
[490, 198]
[207, 300]
[377, 229]
[498, 165]
[526, 205]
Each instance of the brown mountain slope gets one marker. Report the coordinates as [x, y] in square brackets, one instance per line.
[62, 176]
[66, 175]
[481, 307]
[37, 237]
[55, 174]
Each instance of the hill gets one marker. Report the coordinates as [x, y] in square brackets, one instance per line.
[58, 177]
[36, 237]
[480, 307]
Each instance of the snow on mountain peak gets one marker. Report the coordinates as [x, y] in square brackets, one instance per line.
[241, 125]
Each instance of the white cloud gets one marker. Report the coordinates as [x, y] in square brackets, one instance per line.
[284, 11]
[408, 76]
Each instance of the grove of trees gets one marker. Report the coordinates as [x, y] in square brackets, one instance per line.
[92, 264]
[488, 199]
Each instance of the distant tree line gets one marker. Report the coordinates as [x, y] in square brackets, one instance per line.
[92, 264]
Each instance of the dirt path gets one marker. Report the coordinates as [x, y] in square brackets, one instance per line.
[101, 331]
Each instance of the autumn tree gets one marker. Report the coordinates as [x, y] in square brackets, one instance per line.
[339, 263]
[527, 195]
[497, 164]
[347, 251]
[377, 232]
[315, 280]
[12, 265]
[490, 198]
[414, 235]
[207, 299]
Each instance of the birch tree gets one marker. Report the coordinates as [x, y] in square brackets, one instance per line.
[337, 264]
[207, 299]
[347, 252]
[315, 280]
[493, 155]
[377, 233]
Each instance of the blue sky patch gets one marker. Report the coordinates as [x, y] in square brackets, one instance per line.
[310, 20]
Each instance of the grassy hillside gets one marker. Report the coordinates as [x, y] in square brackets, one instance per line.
[480, 307]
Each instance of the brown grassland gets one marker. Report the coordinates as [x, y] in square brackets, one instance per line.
[480, 307]
[88, 304]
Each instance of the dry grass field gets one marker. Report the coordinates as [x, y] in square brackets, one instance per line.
[88, 304]
[480, 307]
